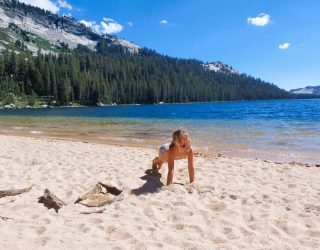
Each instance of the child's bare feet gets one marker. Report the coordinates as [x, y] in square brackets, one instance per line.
[154, 164]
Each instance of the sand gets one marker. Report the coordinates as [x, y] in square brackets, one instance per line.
[235, 202]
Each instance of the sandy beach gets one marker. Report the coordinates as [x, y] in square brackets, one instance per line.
[235, 203]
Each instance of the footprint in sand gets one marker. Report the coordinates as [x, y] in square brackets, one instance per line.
[228, 231]
[292, 185]
[178, 226]
[83, 228]
[283, 225]
[95, 220]
[18, 207]
[101, 228]
[217, 207]
[69, 194]
[40, 230]
[219, 240]
[43, 240]
[121, 235]
[313, 233]
[179, 203]
[46, 221]
[188, 213]
[233, 197]
[245, 232]
[34, 216]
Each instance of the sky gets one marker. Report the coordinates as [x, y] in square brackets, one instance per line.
[275, 40]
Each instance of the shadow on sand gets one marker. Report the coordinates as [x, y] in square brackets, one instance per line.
[153, 183]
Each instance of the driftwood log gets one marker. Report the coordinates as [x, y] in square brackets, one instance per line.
[5, 218]
[100, 195]
[51, 201]
[12, 192]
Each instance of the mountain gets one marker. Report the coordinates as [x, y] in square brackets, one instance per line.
[60, 60]
[38, 28]
[309, 90]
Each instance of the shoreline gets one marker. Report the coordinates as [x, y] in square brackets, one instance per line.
[99, 105]
[201, 154]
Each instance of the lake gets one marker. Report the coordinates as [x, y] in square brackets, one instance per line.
[285, 130]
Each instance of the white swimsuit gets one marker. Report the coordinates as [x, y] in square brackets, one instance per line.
[163, 148]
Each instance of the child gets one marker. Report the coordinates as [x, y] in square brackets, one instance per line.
[179, 148]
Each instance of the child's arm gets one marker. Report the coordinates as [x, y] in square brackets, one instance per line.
[190, 165]
[170, 166]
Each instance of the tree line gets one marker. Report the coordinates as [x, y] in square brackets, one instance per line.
[111, 74]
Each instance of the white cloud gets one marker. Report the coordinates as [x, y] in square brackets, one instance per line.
[49, 5]
[164, 22]
[63, 4]
[91, 24]
[130, 24]
[108, 26]
[107, 19]
[88, 24]
[43, 4]
[284, 45]
[261, 20]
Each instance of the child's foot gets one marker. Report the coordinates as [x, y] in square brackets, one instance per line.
[154, 165]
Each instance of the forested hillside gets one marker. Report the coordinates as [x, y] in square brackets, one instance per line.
[112, 75]
[110, 70]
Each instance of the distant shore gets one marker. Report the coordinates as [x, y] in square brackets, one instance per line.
[41, 104]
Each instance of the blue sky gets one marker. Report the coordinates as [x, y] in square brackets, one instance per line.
[275, 40]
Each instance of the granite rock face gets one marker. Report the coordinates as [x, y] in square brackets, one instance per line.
[309, 90]
[56, 29]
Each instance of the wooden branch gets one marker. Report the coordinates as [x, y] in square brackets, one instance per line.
[51, 201]
[5, 218]
[98, 197]
[12, 192]
[97, 189]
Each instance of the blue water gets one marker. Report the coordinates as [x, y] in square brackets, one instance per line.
[278, 129]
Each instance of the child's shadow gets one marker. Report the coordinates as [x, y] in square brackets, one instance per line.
[152, 184]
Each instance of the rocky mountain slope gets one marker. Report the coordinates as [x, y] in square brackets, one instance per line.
[309, 90]
[52, 30]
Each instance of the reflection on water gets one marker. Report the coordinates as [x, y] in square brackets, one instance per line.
[268, 130]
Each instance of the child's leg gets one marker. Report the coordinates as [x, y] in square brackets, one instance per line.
[157, 163]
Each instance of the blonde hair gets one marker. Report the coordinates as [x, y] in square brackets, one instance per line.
[178, 135]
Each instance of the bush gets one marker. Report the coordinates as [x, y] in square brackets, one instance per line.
[32, 99]
[8, 99]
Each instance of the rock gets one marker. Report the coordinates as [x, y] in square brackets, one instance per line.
[100, 104]
[44, 106]
[7, 106]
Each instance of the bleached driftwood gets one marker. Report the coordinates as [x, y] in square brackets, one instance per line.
[100, 195]
[5, 218]
[12, 192]
[51, 201]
